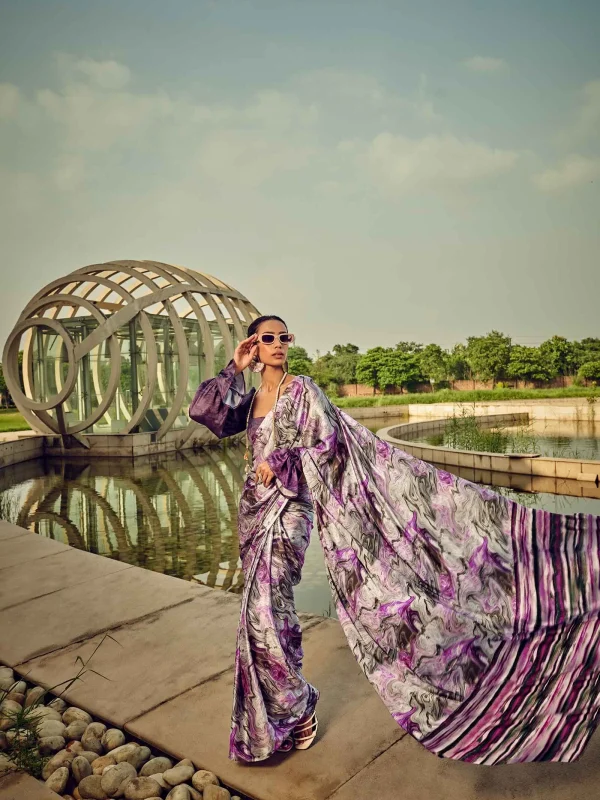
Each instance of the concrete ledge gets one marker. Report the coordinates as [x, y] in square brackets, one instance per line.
[569, 470]
[21, 786]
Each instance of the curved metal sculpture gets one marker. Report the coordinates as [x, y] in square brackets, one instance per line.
[120, 347]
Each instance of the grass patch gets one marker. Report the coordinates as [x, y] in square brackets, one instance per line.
[467, 432]
[477, 396]
[11, 420]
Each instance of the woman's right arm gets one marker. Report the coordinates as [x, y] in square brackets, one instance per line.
[222, 403]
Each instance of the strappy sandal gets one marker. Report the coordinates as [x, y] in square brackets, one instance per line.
[305, 732]
[286, 745]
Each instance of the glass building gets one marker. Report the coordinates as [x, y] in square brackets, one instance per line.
[121, 347]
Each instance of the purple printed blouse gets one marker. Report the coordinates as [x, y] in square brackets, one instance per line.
[222, 404]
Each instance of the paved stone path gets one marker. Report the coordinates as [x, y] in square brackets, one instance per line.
[168, 679]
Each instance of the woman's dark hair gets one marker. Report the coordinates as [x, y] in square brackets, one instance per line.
[252, 328]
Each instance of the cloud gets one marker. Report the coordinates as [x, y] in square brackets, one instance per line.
[574, 171]
[248, 158]
[105, 74]
[434, 161]
[485, 64]
[9, 101]
[96, 120]
[587, 122]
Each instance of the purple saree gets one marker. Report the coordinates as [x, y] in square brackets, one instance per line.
[476, 619]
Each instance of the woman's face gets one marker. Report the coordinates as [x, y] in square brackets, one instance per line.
[274, 355]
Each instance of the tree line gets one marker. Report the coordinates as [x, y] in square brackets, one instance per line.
[491, 358]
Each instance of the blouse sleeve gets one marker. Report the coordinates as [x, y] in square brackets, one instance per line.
[306, 432]
[221, 403]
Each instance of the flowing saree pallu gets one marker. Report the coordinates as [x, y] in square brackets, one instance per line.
[475, 618]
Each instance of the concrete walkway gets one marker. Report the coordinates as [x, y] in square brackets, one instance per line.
[168, 680]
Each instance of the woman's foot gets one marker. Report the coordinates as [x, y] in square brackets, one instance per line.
[305, 732]
[286, 745]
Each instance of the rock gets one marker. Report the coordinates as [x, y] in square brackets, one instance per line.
[91, 743]
[5, 723]
[61, 759]
[140, 757]
[112, 738]
[123, 752]
[159, 764]
[81, 768]
[72, 713]
[67, 797]
[58, 704]
[110, 766]
[213, 792]
[51, 744]
[75, 747]
[160, 780]
[19, 686]
[6, 765]
[51, 727]
[34, 696]
[114, 779]
[194, 794]
[178, 775]
[180, 792]
[142, 789]
[89, 754]
[100, 763]
[202, 778]
[76, 729]
[45, 713]
[57, 782]
[76, 795]
[91, 787]
[3, 741]
[9, 707]
[185, 762]
[17, 697]
[7, 678]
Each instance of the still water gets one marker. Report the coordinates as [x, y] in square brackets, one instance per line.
[549, 438]
[178, 516]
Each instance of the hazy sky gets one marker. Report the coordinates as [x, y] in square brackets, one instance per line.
[371, 171]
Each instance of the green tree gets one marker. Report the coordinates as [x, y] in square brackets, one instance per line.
[409, 347]
[434, 363]
[587, 350]
[343, 363]
[529, 364]
[488, 356]
[400, 369]
[323, 373]
[369, 366]
[458, 366]
[560, 355]
[590, 371]
[299, 362]
[3, 389]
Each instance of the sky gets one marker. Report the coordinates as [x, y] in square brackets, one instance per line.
[371, 172]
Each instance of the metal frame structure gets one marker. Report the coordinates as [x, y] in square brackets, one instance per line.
[105, 299]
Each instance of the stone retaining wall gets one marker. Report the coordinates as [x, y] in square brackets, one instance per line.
[529, 464]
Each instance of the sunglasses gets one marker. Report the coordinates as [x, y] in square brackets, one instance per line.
[269, 338]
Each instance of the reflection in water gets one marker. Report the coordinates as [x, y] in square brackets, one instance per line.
[179, 515]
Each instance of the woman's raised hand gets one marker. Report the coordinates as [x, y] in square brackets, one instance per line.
[245, 352]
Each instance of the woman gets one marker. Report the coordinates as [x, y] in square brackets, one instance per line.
[475, 618]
